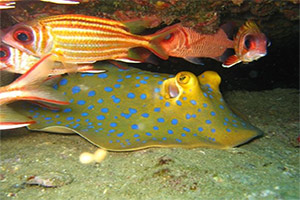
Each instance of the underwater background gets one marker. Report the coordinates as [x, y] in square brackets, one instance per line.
[265, 91]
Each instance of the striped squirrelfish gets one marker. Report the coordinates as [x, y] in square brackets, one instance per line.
[85, 39]
[28, 87]
[6, 4]
[16, 61]
[249, 44]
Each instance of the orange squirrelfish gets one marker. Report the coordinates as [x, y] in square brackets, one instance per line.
[28, 87]
[249, 44]
[191, 45]
[84, 39]
[7, 4]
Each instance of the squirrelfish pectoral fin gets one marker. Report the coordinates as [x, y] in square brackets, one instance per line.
[10, 119]
[194, 60]
[232, 60]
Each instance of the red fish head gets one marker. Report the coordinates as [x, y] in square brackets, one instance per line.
[176, 41]
[250, 43]
[22, 37]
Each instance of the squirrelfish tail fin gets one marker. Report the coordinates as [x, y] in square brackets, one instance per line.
[10, 119]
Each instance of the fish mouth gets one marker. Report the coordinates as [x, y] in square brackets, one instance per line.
[171, 89]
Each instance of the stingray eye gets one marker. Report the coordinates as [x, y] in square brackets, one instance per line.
[4, 53]
[23, 35]
[183, 79]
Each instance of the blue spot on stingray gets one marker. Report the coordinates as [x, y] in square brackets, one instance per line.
[127, 116]
[234, 121]
[205, 94]
[104, 110]
[70, 118]
[156, 109]
[120, 80]
[183, 134]
[213, 113]
[111, 130]
[136, 135]
[170, 131]
[213, 130]
[143, 96]
[132, 110]
[148, 134]
[178, 102]
[184, 98]
[78, 120]
[100, 117]
[193, 102]
[178, 140]
[146, 77]
[188, 116]
[128, 76]
[210, 96]
[84, 114]
[102, 75]
[137, 77]
[156, 90]
[161, 98]
[204, 105]
[113, 124]
[137, 85]
[134, 126]
[200, 129]
[108, 89]
[130, 95]
[167, 104]
[226, 119]
[63, 81]
[91, 107]
[120, 134]
[100, 101]
[75, 89]
[117, 85]
[115, 99]
[81, 102]
[222, 107]
[228, 130]
[186, 129]
[146, 115]
[208, 121]
[174, 121]
[55, 86]
[87, 120]
[160, 82]
[59, 122]
[155, 128]
[48, 118]
[164, 138]
[92, 93]
[143, 82]
[161, 120]
[67, 110]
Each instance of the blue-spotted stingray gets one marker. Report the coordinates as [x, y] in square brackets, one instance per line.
[125, 110]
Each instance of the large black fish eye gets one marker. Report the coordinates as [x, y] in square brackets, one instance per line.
[23, 35]
[247, 43]
[4, 53]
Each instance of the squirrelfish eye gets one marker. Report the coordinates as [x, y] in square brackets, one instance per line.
[169, 37]
[23, 35]
[247, 43]
[4, 53]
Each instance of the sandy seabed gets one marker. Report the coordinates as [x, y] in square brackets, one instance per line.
[266, 168]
